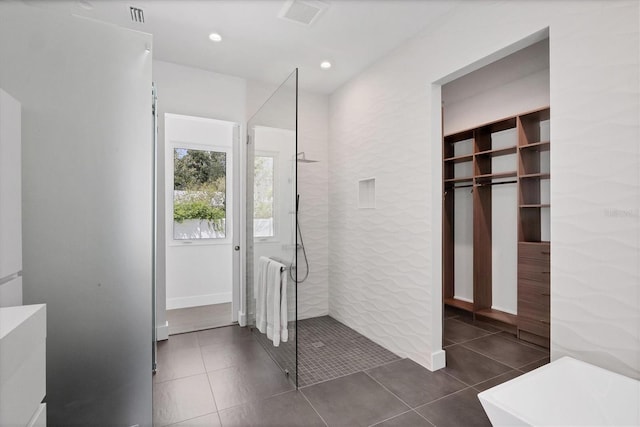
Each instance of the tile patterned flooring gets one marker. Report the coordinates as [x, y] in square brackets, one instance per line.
[327, 349]
[223, 377]
[192, 319]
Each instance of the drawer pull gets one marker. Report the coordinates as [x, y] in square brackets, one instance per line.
[546, 322]
[545, 253]
[545, 294]
[545, 272]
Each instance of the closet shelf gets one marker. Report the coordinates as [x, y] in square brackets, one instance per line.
[459, 159]
[536, 175]
[491, 176]
[498, 151]
[461, 179]
[538, 205]
[537, 146]
[463, 305]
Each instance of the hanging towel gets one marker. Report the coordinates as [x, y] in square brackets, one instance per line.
[277, 303]
[261, 294]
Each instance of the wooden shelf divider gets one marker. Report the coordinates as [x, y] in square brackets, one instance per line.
[533, 253]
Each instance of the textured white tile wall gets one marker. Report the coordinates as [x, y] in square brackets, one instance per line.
[385, 275]
[313, 187]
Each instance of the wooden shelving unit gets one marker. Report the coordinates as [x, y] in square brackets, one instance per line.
[473, 167]
[534, 252]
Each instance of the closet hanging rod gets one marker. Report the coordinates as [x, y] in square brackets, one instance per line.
[498, 183]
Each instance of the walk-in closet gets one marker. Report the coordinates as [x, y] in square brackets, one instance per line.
[496, 186]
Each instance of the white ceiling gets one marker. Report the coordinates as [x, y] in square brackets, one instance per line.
[352, 34]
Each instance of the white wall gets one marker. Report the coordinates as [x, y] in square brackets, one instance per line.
[11, 201]
[512, 85]
[85, 90]
[387, 284]
[313, 137]
[193, 92]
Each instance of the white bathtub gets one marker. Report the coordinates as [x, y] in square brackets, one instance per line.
[566, 392]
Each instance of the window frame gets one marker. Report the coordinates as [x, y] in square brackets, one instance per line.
[169, 198]
[275, 155]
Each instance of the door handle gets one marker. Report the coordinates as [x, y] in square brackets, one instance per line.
[236, 248]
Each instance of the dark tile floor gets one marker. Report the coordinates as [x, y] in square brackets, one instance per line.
[223, 377]
[327, 349]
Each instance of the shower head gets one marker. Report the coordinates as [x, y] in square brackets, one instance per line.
[302, 158]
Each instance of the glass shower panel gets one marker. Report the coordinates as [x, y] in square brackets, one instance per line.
[271, 223]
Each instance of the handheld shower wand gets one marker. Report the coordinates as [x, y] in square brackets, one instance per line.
[301, 246]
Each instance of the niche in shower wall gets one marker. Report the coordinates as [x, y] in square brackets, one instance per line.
[367, 193]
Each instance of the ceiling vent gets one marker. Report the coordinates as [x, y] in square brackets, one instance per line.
[304, 12]
[137, 15]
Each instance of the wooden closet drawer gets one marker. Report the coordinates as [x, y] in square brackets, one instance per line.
[534, 251]
[534, 310]
[538, 327]
[534, 272]
[534, 292]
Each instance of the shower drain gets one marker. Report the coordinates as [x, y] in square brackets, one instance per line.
[318, 344]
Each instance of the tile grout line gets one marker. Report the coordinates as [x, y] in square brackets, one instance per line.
[179, 378]
[392, 393]
[351, 373]
[535, 361]
[390, 418]
[423, 417]
[490, 358]
[443, 397]
[213, 396]
[189, 419]
[312, 407]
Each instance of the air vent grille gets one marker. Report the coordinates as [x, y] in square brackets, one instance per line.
[137, 14]
[304, 12]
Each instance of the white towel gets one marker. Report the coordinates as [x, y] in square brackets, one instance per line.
[261, 294]
[277, 303]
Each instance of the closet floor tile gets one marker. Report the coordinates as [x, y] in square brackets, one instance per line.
[457, 331]
[485, 385]
[414, 384]
[460, 409]
[505, 351]
[471, 367]
[535, 365]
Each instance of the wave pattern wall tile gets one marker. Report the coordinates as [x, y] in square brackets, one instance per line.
[380, 277]
[313, 293]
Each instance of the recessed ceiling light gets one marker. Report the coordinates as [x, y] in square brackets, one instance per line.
[325, 65]
[215, 37]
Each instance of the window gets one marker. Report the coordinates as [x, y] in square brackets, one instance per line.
[263, 196]
[199, 194]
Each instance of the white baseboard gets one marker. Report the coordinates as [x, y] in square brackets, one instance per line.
[197, 300]
[242, 319]
[162, 332]
[438, 360]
